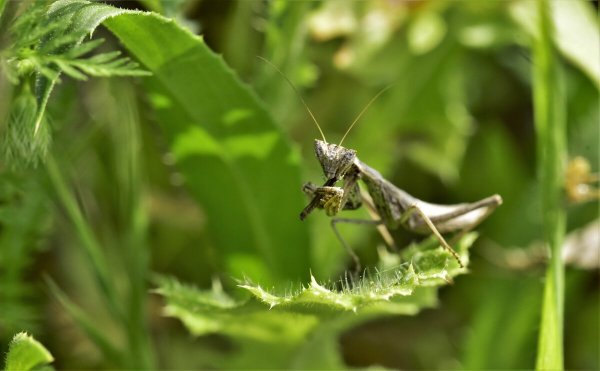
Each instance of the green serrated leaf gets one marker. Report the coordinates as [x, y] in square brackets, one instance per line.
[83, 48]
[255, 330]
[425, 267]
[318, 311]
[26, 353]
[72, 72]
[105, 57]
[55, 44]
[79, 18]
[19, 148]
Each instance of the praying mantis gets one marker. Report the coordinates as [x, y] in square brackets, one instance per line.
[393, 206]
[390, 206]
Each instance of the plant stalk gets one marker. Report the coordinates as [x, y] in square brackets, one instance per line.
[549, 110]
[86, 237]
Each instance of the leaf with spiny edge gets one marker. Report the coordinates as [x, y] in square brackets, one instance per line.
[426, 265]
[318, 311]
[26, 353]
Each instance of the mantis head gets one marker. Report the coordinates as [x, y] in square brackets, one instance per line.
[335, 159]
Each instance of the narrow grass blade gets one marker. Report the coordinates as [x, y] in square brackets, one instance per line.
[549, 109]
[88, 241]
[87, 324]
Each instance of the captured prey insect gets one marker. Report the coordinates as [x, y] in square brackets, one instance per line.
[391, 206]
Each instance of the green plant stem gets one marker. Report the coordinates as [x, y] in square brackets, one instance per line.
[93, 331]
[86, 237]
[549, 109]
[136, 245]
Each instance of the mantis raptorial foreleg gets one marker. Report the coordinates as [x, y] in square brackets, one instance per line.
[350, 251]
[382, 229]
[354, 200]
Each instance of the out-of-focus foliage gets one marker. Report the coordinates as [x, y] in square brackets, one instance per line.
[24, 216]
[190, 172]
[42, 43]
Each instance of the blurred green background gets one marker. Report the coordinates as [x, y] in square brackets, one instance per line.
[456, 126]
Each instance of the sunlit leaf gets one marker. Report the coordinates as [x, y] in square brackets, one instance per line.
[26, 353]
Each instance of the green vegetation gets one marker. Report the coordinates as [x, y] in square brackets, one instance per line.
[26, 353]
[149, 197]
[549, 103]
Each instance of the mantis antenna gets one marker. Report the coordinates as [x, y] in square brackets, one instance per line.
[363, 111]
[297, 92]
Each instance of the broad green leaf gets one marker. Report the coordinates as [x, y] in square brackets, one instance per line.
[234, 158]
[26, 353]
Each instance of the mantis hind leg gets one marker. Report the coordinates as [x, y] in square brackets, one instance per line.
[455, 220]
[414, 208]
